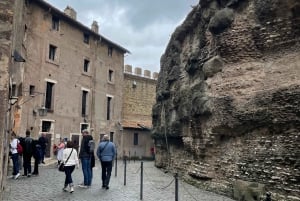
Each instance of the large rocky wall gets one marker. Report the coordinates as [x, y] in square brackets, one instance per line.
[6, 22]
[227, 107]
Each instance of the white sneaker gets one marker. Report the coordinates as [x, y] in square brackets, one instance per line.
[71, 189]
[82, 186]
[17, 175]
[65, 189]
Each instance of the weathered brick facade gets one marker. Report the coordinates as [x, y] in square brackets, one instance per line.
[6, 21]
[138, 100]
[9, 32]
[228, 99]
[71, 70]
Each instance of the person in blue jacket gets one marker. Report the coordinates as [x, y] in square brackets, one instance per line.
[106, 153]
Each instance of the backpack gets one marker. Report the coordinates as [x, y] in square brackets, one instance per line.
[19, 148]
[91, 146]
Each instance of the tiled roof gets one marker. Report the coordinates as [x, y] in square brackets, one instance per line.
[52, 9]
[137, 124]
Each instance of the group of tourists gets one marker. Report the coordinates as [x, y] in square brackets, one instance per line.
[23, 149]
[66, 155]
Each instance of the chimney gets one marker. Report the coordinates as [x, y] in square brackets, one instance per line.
[95, 27]
[70, 12]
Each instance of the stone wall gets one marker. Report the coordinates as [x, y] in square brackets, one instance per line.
[228, 98]
[138, 100]
[6, 21]
[138, 97]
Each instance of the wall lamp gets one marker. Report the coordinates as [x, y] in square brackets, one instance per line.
[41, 110]
[17, 57]
[134, 84]
[13, 100]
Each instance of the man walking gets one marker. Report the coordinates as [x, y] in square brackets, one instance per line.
[43, 142]
[106, 153]
[85, 156]
[27, 154]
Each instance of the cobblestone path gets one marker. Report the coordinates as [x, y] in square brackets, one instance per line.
[158, 186]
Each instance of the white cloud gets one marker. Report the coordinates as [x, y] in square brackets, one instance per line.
[141, 26]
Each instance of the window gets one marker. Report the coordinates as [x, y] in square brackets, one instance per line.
[108, 108]
[111, 136]
[86, 65]
[20, 90]
[13, 89]
[49, 96]
[110, 75]
[109, 51]
[84, 103]
[86, 38]
[31, 90]
[83, 126]
[52, 51]
[135, 139]
[55, 23]
[46, 126]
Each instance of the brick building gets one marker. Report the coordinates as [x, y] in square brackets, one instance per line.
[70, 80]
[138, 99]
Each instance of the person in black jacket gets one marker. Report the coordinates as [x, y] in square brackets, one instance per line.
[85, 157]
[37, 157]
[43, 141]
[27, 154]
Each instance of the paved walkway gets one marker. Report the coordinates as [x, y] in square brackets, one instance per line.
[158, 186]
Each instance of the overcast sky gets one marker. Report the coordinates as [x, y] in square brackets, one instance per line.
[143, 27]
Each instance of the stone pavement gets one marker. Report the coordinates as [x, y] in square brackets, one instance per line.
[158, 186]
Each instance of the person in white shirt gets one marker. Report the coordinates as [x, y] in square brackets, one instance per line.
[14, 155]
[70, 159]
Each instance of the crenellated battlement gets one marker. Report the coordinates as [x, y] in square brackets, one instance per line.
[138, 72]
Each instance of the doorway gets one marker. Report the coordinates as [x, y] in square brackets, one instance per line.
[47, 127]
[48, 147]
[75, 138]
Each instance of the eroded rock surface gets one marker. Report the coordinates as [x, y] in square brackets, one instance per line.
[228, 97]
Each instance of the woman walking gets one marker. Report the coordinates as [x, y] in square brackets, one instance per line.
[60, 150]
[14, 155]
[70, 159]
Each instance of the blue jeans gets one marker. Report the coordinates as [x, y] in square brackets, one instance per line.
[87, 171]
[42, 153]
[15, 160]
[68, 172]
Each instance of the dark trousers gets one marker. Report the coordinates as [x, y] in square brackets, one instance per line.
[15, 160]
[68, 173]
[36, 166]
[27, 164]
[106, 172]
